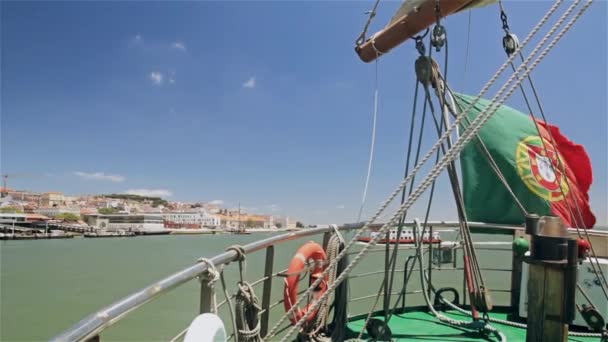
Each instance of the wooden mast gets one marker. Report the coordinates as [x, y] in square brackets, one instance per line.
[406, 27]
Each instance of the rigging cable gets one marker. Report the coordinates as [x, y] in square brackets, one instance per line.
[502, 321]
[499, 99]
[466, 54]
[372, 144]
[478, 121]
[361, 39]
[486, 154]
[472, 269]
[595, 264]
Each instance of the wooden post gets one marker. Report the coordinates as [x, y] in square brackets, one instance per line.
[551, 281]
[546, 312]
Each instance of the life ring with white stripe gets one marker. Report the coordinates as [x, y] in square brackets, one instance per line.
[310, 255]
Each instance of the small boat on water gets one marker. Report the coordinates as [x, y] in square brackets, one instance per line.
[521, 181]
[108, 234]
[29, 235]
[406, 237]
[151, 232]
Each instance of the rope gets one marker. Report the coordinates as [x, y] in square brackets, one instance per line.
[232, 315]
[340, 319]
[486, 152]
[473, 272]
[372, 145]
[452, 153]
[597, 269]
[466, 54]
[392, 196]
[212, 277]
[361, 39]
[240, 257]
[506, 322]
[332, 251]
[475, 325]
[247, 309]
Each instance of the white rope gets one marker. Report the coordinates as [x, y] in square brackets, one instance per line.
[509, 323]
[333, 249]
[212, 277]
[479, 324]
[372, 145]
[454, 150]
[407, 179]
[466, 54]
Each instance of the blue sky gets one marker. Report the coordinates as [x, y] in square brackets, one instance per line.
[259, 102]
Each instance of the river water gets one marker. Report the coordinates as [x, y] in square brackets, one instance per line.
[48, 285]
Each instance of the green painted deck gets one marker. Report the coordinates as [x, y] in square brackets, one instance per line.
[423, 326]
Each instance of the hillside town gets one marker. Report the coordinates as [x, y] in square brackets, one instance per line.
[121, 214]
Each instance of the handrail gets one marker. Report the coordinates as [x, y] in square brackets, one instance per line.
[93, 324]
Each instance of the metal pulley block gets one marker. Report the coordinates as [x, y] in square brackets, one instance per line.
[482, 300]
[427, 71]
[510, 43]
[594, 319]
[438, 37]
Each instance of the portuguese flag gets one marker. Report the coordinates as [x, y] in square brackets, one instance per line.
[516, 147]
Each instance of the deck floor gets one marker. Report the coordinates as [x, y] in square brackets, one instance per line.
[423, 326]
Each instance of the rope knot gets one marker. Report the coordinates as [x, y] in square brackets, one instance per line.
[212, 273]
[240, 252]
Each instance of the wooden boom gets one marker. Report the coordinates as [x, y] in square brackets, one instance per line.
[406, 27]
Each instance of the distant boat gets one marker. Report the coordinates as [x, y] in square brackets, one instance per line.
[406, 237]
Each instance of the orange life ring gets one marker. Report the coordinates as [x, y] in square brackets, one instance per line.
[310, 254]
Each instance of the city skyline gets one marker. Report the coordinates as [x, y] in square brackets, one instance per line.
[157, 98]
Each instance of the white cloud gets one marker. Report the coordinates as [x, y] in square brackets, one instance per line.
[100, 176]
[156, 77]
[250, 83]
[138, 38]
[216, 202]
[179, 46]
[341, 206]
[150, 192]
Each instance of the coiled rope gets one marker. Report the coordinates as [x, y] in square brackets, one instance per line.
[247, 310]
[246, 313]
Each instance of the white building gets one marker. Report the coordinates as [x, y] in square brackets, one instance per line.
[143, 222]
[191, 220]
[285, 222]
[54, 211]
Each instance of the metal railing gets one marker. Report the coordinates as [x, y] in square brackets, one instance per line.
[91, 326]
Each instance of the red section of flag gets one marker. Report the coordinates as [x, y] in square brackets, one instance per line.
[574, 209]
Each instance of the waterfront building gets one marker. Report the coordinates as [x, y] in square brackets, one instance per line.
[49, 199]
[286, 222]
[24, 196]
[232, 220]
[138, 222]
[8, 218]
[54, 211]
[194, 220]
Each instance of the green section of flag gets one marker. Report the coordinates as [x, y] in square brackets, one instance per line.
[486, 197]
